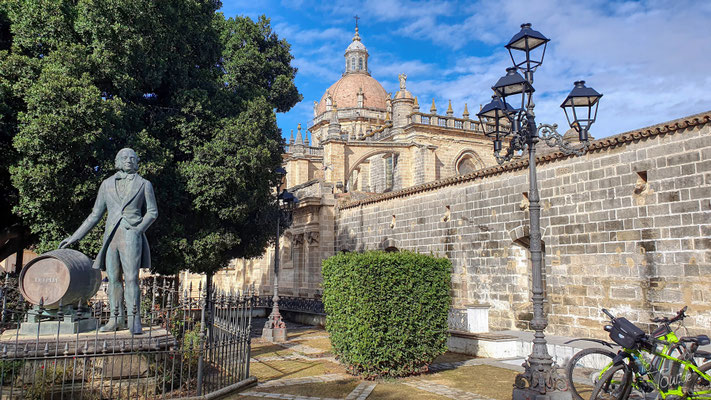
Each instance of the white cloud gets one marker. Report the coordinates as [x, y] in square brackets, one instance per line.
[650, 58]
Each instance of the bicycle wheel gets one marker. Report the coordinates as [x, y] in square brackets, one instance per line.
[698, 387]
[614, 384]
[585, 368]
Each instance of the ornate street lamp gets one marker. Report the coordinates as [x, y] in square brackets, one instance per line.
[275, 328]
[510, 113]
[529, 42]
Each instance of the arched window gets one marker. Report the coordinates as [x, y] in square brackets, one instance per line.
[468, 162]
[466, 166]
[360, 63]
[353, 64]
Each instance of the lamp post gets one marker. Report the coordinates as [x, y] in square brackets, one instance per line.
[275, 328]
[509, 119]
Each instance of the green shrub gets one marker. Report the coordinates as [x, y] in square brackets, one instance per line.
[386, 313]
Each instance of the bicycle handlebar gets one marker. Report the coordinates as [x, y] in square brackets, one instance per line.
[612, 317]
[680, 315]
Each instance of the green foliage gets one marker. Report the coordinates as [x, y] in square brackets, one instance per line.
[386, 313]
[48, 377]
[9, 369]
[192, 92]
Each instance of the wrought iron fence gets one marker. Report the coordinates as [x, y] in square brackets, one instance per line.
[192, 346]
[288, 303]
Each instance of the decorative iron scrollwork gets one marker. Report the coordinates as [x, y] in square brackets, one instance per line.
[288, 303]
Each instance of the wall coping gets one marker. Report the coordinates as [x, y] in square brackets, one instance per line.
[600, 145]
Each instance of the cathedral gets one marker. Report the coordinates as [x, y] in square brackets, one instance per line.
[626, 226]
[363, 141]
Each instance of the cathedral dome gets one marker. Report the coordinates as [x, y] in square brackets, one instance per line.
[356, 88]
[344, 93]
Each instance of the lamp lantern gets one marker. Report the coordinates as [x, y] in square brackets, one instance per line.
[526, 41]
[580, 108]
[492, 117]
[512, 84]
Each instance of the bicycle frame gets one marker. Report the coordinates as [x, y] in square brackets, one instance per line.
[687, 371]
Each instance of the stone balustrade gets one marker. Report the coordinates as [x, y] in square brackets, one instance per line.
[444, 121]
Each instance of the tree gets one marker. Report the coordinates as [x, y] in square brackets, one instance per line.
[192, 92]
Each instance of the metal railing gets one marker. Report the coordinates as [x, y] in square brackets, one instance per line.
[194, 344]
[289, 303]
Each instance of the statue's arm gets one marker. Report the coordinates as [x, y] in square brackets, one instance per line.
[96, 213]
[151, 208]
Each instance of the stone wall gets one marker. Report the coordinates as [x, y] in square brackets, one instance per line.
[626, 226]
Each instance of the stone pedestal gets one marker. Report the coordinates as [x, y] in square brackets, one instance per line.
[477, 318]
[276, 335]
[472, 318]
[528, 394]
[45, 322]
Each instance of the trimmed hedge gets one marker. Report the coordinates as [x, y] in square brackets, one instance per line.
[386, 313]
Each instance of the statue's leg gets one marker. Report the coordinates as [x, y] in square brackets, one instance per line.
[130, 262]
[117, 319]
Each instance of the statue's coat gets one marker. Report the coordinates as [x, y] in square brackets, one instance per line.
[130, 209]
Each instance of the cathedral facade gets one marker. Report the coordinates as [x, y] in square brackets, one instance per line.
[362, 141]
[626, 226]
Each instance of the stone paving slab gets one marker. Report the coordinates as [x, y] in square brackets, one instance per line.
[362, 391]
[301, 381]
[289, 357]
[455, 364]
[283, 396]
[445, 391]
[299, 349]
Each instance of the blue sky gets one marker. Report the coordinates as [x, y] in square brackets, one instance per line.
[650, 59]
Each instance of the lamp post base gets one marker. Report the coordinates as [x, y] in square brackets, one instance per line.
[275, 328]
[276, 335]
[540, 375]
[530, 394]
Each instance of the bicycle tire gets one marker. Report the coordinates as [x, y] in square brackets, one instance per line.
[614, 384]
[696, 382]
[579, 367]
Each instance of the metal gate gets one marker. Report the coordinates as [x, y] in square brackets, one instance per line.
[227, 346]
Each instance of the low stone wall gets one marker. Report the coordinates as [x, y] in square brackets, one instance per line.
[626, 226]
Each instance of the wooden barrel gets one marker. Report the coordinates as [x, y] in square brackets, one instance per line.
[59, 275]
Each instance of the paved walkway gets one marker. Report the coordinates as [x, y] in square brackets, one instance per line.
[305, 369]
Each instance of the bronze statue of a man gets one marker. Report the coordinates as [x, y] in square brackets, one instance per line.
[125, 196]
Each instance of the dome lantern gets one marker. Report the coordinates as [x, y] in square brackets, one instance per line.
[356, 55]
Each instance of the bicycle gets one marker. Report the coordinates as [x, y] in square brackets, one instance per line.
[672, 377]
[591, 363]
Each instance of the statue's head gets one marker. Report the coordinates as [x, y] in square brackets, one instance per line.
[127, 160]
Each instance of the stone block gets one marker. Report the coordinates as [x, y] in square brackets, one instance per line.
[626, 235]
